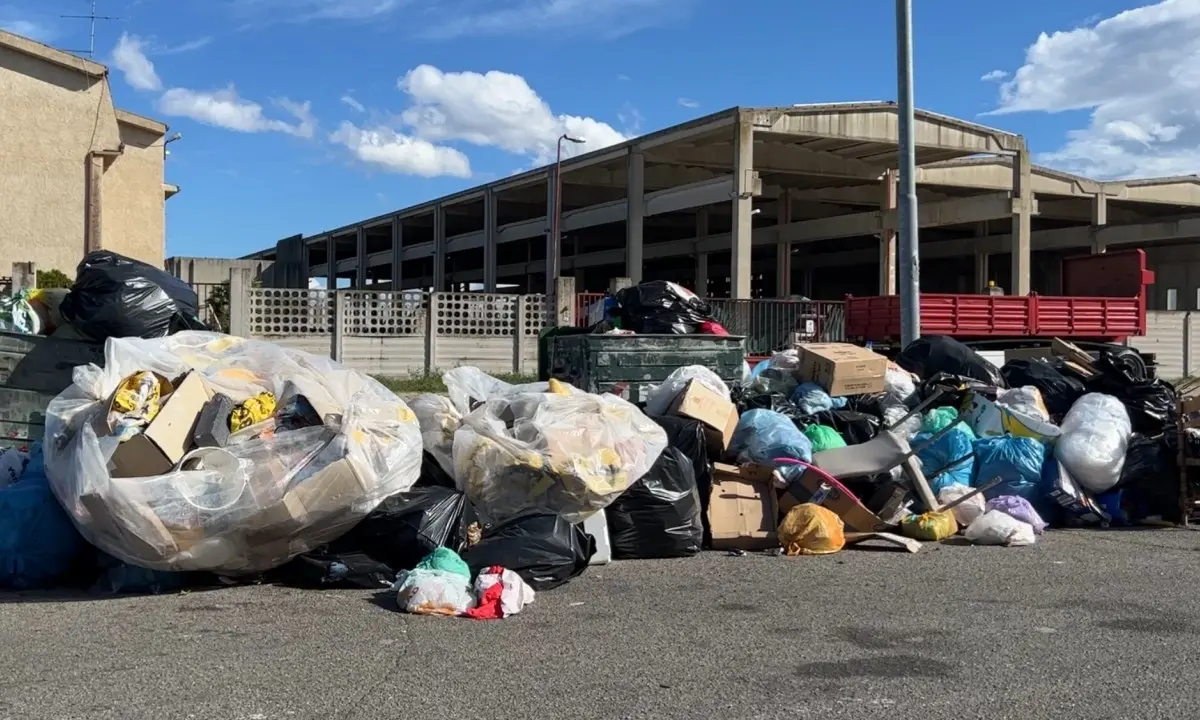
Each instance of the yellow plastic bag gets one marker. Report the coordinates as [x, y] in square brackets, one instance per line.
[810, 529]
[930, 526]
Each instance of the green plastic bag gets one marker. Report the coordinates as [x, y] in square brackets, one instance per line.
[824, 437]
[939, 418]
[445, 560]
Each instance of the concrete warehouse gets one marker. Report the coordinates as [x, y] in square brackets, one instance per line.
[770, 202]
[78, 173]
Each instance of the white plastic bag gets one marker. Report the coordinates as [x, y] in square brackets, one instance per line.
[500, 593]
[570, 454]
[659, 399]
[898, 382]
[433, 592]
[258, 502]
[995, 527]
[1019, 412]
[1095, 436]
[1026, 401]
[469, 386]
[967, 511]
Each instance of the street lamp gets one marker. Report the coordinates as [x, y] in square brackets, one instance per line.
[555, 244]
[910, 256]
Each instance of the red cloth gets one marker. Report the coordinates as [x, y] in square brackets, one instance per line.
[712, 327]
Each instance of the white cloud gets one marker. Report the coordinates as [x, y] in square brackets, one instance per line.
[688, 103]
[185, 47]
[354, 104]
[305, 10]
[1138, 72]
[24, 27]
[225, 109]
[388, 149]
[623, 77]
[994, 76]
[496, 109]
[606, 18]
[129, 56]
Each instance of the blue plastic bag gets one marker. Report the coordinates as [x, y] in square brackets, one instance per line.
[1017, 461]
[763, 435]
[954, 449]
[38, 542]
[811, 398]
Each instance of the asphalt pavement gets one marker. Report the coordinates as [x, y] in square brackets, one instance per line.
[1087, 624]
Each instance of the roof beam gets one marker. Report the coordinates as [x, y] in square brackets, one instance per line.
[1171, 191]
[694, 195]
[880, 124]
[771, 157]
[958, 211]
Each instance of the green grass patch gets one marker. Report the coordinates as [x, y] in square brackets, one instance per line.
[434, 384]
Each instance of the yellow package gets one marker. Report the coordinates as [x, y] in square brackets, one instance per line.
[930, 526]
[810, 529]
[253, 411]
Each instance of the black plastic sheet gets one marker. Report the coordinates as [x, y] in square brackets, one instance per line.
[935, 354]
[662, 307]
[115, 296]
[1153, 405]
[749, 400]
[659, 516]
[1059, 390]
[543, 548]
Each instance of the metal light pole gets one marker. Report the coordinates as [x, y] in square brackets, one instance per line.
[910, 256]
[554, 250]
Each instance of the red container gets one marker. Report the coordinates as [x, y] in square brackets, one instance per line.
[1105, 301]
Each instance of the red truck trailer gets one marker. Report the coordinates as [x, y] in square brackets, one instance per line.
[1104, 301]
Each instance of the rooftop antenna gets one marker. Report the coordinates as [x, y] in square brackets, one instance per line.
[91, 17]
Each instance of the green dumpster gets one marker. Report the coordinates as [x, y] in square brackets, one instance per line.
[628, 365]
[34, 369]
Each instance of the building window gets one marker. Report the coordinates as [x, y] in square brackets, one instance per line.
[1172, 299]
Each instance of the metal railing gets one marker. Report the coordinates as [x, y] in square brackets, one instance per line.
[770, 325]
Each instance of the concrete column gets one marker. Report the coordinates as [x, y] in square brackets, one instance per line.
[981, 260]
[553, 251]
[360, 253]
[743, 227]
[331, 264]
[635, 215]
[887, 238]
[490, 230]
[397, 247]
[701, 278]
[1099, 219]
[783, 249]
[1022, 223]
[439, 248]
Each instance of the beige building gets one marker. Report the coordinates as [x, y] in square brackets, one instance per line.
[76, 173]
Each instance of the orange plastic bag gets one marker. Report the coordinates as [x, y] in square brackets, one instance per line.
[810, 529]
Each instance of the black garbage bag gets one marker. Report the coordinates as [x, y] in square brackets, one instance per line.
[1150, 479]
[1153, 405]
[855, 427]
[687, 436]
[935, 354]
[659, 516]
[662, 307]
[543, 548]
[746, 400]
[1059, 390]
[955, 390]
[432, 474]
[115, 296]
[399, 532]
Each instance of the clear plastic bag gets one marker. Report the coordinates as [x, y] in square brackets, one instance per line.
[439, 420]
[660, 398]
[434, 592]
[898, 382]
[468, 387]
[1095, 436]
[968, 510]
[762, 436]
[777, 374]
[259, 501]
[571, 454]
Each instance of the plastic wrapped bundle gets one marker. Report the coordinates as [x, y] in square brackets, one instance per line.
[566, 452]
[339, 444]
[1095, 435]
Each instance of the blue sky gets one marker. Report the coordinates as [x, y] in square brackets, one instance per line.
[342, 109]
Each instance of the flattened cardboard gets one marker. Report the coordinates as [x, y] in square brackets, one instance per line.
[842, 369]
[742, 511]
[853, 513]
[898, 541]
[718, 415]
[168, 437]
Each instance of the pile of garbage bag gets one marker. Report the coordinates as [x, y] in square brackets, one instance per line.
[656, 307]
[207, 452]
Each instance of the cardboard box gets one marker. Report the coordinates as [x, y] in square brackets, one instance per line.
[812, 488]
[168, 437]
[842, 369]
[718, 415]
[742, 510]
